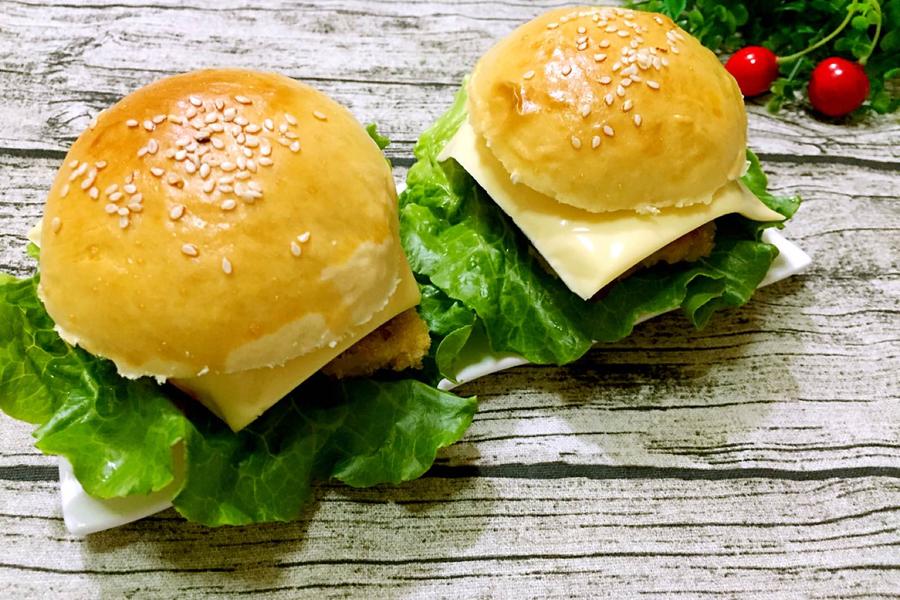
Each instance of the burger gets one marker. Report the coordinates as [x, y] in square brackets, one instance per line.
[221, 276]
[593, 171]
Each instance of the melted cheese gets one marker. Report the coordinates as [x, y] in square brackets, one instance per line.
[589, 250]
[239, 398]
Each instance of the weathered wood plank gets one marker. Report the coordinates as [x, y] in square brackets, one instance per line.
[508, 538]
[394, 63]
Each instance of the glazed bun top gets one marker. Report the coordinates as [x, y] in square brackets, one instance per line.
[610, 109]
[219, 221]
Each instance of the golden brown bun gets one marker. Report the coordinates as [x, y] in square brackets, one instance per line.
[202, 273]
[575, 105]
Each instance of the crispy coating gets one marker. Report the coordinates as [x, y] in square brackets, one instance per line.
[692, 246]
[399, 344]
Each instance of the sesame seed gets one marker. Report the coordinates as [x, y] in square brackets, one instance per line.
[599, 57]
[241, 163]
[229, 113]
[576, 142]
[664, 61]
[157, 171]
[320, 116]
[94, 193]
[609, 99]
[131, 123]
[637, 120]
[290, 118]
[86, 183]
[265, 161]
[242, 100]
[115, 196]
[566, 70]
[195, 100]
[658, 20]
[251, 165]
[228, 166]
[295, 249]
[124, 222]
[219, 104]
[265, 150]
[616, 66]
[176, 212]
[142, 151]
[137, 198]
[217, 127]
[284, 141]
[252, 128]
[528, 75]
[595, 142]
[100, 164]
[111, 189]
[123, 211]
[303, 237]
[204, 170]
[295, 147]
[159, 119]
[581, 30]
[634, 44]
[111, 209]
[226, 265]
[627, 106]
[608, 130]
[149, 125]
[225, 189]
[240, 138]
[283, 128]
[652, 84]
[585, 111]
[252, 141]
[552, 25]
[239, 120]
[73, 163]
[152, 146]
[210, 118]
[247, 152]
[130, 188]
[65, 191]
[622, 33]
[620, 91]
[604, 43]
[674, 49]
[217, 143]
[135, 207]
[605, 80]
[229, 204]
[55, 224]
[268, 124]
[611, 29]
[181, 155]
[209, 186]
[225, 179]
[190, 250]
[626, 82]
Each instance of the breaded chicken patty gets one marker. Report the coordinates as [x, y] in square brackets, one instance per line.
[399, 344]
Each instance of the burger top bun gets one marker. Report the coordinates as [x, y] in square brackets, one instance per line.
[610, 109]
[219, 221]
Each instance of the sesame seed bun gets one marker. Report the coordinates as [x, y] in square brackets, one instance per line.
[219, 221]
[609, 109]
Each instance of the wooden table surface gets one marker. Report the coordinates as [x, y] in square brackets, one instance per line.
[757, 458]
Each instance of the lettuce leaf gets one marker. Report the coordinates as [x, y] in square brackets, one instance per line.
[120, 434]
[466, 252]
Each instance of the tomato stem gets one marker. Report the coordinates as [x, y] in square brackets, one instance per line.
[863, 59]
[851, 10]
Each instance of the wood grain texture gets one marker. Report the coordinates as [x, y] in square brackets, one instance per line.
[759, 457]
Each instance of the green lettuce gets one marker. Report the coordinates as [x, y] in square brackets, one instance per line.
[120, 434]
[478, 272]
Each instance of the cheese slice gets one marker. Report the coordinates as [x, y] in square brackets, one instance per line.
[239, 398]
[589, 250]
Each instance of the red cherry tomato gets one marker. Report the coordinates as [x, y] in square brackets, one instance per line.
[838, 86]
[754, 68]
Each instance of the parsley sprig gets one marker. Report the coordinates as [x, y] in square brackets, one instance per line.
[870, 34]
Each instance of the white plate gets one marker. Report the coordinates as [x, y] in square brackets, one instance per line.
[85, 514]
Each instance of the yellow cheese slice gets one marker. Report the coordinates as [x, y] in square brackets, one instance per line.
[239, 398]
[589, 250]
